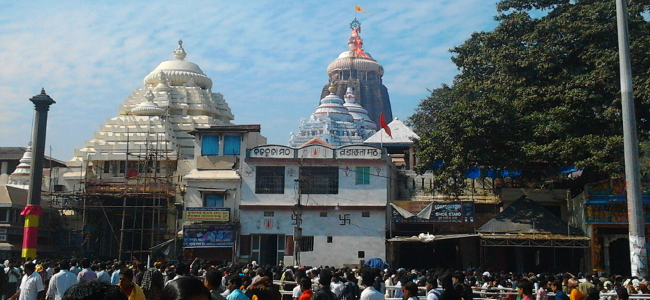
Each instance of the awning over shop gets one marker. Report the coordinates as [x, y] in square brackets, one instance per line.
[534, 240]
[428, 238]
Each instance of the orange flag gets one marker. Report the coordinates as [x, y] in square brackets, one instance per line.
[382, 123]
[357, 8]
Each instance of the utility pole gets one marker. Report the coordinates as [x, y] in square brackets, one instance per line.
[635, 216]
[33, 210]
[297, 231]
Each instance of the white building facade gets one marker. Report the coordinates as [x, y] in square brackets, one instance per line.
[338, 196]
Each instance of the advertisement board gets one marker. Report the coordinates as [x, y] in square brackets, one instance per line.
[205, 235]
[436, 212]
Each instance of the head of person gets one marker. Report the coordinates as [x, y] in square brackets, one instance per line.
[525, 287]
[152, 279]
[458, 277]
[367, 278]
[85, 263]
[432, 283]
[621, 293]
[234, 283]
[181, 269]
[185, 288]
[126, 278]
[212, 280]
[64, 265]
[94, 290]
[102, 266]
[447, 281]
[305, 284]
[556, 286]
[325, 280]
[410, 289]
[29, 268]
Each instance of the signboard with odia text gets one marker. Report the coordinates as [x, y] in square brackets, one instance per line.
[214, 214]
[358, 152]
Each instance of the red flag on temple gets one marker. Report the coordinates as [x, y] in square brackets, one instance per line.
[382, 123]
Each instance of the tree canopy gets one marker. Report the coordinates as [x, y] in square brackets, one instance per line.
[543, 87]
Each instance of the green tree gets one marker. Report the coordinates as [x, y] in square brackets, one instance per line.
[537, 91]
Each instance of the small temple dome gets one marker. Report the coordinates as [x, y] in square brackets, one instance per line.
[148, 107]
[179, 71]
[331, 107]
[357, 111]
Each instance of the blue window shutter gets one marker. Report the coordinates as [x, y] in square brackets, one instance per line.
[214, 200]
[210, 145]
[231, 144]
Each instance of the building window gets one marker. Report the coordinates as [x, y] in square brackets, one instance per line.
[4, 215]
[213, 200]
[209, 145]
[319, 180]
[245, 245]
[231, 144]
[269, 180]
[107, 166]
[122, 169]
[365, 214]
[329, 239]
[307, 243]
[323, 214]
[361, 254]
[269, 214]
[363, 175]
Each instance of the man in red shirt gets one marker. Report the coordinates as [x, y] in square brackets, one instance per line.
[305, 286]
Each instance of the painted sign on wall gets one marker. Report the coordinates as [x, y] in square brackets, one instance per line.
[358, 152]
[272, 151]
[204, 235]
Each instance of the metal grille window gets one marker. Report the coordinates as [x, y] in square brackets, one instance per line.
[269, 180]
[307, 243]
[319, 180]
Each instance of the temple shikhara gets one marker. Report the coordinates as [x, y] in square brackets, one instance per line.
[352, 102]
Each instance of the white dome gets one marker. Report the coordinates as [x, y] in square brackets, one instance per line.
[178, 72]
[331, 107]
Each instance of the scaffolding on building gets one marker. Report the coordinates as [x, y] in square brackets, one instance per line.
[122, 208]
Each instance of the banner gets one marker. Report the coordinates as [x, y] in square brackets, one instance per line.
[435, 212]
[214, 214]
[204, 235]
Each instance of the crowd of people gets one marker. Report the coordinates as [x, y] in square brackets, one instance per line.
[200, 280]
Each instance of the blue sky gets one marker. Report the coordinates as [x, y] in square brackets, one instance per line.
[268, 58]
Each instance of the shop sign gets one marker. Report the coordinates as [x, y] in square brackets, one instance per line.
[610, 213]
[204, 235]
[214, 214]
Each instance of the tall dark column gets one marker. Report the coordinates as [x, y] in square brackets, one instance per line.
[33, 210]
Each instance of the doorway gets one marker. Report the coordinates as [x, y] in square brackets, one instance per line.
[619, 257]
[268, 248]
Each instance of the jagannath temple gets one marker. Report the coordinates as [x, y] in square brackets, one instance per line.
[353, 101]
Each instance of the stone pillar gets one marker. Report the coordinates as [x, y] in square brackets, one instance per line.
[33, 210]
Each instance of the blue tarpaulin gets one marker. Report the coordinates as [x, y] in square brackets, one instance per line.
[376, 263]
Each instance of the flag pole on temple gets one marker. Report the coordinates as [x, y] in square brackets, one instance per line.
[33, 210]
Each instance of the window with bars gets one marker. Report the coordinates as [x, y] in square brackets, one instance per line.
[363, 175]
[306, 243]
[319, 180]
[269, 180]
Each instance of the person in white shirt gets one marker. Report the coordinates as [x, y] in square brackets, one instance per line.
[14, 274]
[31, 284]
[102, 275]
[431, 286]
[336, 286]
[369, 293]
[61, 282]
